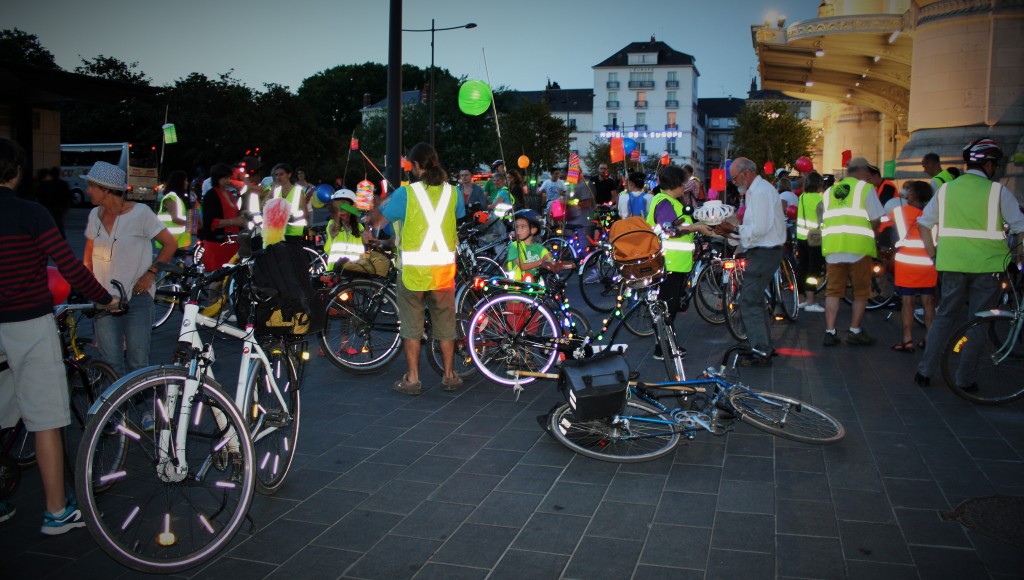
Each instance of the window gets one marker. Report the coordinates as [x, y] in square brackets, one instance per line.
[643, 58]
[613, 77]
[641, 100]
[613, 95]
[672, 75]
[613, 119]
[672, 96]
[671, 147]
[670, 123]
[672, 81]
[641, 80]
[641, 121]
[572, 124]
[716, 122]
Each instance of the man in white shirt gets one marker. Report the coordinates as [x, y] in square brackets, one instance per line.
[553, 189]
[762, 235]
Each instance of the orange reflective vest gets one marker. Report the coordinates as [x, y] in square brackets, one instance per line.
[914, 269]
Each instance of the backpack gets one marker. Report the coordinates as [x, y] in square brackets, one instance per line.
[637, 250]
[283, 268]
[637, 205]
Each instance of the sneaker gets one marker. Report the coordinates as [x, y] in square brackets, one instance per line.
[148, 424]
[814, 308]
[801, 306]
[921, 380]
[830, 339]
[861, 338]
[67, 520]
[7, 510]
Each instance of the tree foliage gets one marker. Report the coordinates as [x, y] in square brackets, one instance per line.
[20, 47]
[769, 131]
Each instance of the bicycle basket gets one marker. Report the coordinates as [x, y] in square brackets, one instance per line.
[595, 387]
[637, 252]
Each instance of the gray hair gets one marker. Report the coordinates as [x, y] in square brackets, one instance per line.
[743, 164]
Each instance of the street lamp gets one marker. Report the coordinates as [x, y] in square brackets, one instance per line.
[432, 30]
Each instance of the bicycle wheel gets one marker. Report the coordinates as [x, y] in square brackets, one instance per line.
[709, 297]
[578, 323]
[361, 331]
[639, 323]
[786, 417]
[561, 251]
[273, 426]
[786, 290]
[599, 280]
[733, 318]
[317, 261]
[883, 287]
[984, 359]
[166, 299]
[162, 509]
[87, 380]
[641, 433]
[23, 449]
[509, 333]
[488, 267]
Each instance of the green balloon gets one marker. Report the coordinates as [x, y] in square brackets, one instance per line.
[474, 97]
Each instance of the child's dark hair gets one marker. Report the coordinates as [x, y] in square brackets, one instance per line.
[637, 179]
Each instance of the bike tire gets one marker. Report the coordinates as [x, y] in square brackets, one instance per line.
[672, 355]
[488, 267]
[561, 251]
[626, 439]
[144, 514]
[87, 380]
[787, 291]
[988, 352]
[733, 318]
[639, 323]
[709, 298]
[599, 281]
[511, 332]
[786, 417]
[166, 301]
[274, 429]
[883, 288]
[364, 314]
[317, 261]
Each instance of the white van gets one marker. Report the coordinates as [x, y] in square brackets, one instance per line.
[77, 159]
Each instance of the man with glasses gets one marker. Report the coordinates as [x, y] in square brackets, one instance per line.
[762, 234]
[605, 188]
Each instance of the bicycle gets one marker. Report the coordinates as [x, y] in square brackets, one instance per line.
[647, 429]
[782, 292]
[182, 491]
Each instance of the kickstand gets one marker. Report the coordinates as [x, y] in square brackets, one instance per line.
[517, 387]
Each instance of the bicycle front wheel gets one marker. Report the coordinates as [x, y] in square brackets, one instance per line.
[709, 297]
[786, 417]
[361, 332]
[984, 361]
[87, 379]
[166, 508]
[561, 251]
[599, 281]
[273, 415]
[641, 433]
[509, 333]
[639, 323]
[168, 298]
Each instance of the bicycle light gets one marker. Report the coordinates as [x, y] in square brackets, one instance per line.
[729, 265]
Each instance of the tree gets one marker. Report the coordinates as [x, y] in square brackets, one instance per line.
[599, 152]
[135, 119]
[528, 128]
[110, 68]
[769, 131]
[20, 47]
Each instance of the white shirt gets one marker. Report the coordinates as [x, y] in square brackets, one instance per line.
[1008, 208]
[789, 198]
[624, 202]
[126, 252]
[764, 225]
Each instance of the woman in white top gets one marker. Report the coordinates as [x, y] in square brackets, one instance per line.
[634, 201]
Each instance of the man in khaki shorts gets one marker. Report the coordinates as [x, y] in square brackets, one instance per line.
[849, 213]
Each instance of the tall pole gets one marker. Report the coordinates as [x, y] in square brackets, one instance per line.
[393, 149]
[432, 88]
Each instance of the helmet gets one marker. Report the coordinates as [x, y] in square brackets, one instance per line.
[981, 150]
[496, 163]
[346, 195]
[531, 216]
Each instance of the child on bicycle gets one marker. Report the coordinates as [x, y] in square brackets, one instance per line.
[525, 255]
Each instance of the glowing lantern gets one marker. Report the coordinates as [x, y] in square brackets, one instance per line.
[718, 179]
[170, 134]
[804, 165]
[769, 167]
[474, 97]
[364, 195]
[523, 162]
[406, 164]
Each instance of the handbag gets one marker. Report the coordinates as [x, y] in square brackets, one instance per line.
[814, 237]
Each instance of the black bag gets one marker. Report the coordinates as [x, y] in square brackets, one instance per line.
[595, 387]
[280, 276]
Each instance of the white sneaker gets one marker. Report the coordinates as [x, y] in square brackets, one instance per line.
[801, 305]
[814, 308]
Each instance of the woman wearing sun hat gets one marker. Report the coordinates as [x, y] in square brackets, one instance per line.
[119, 238]
[344, 233]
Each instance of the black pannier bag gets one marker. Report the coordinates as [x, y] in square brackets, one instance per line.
[595, 387]
[283, 269]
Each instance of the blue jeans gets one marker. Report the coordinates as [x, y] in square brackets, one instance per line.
[979, 291]
[126, 336]
[761, 266]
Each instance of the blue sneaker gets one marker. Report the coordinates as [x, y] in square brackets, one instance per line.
[69, 519]
[7, 511]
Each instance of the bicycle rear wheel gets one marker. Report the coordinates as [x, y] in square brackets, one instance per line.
[168, 291]
[87, 380]
[361, 332]
[787, 291]
[984, 361]
[274, 427]
[147, 513]
[709, 297]
[561, 251]
[786, 417]
[733, 317]
[640, 322]
[641, 433]
[600, 280]
[509, 333]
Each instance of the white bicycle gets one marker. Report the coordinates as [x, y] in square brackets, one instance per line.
[169, 499]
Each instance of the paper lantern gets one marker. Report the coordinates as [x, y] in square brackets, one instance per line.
[718, 179]
[628, 145]
[170, 133]
[406, 164]
[474, 97]
[713, 212]
[617, 149]
[804, 165]
[364, 195]
[769, 167]
[523, 162]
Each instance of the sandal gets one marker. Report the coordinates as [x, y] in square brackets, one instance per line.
[452, 384]
[907, 346]
[408, 388]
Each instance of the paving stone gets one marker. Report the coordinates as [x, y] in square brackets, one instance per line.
[755, 445]
[554, 533]
[625, 521]
[730, 564]
[432, 469]
[863, 506]
[874, 542]
[862, 476]
[433, 520]
[358, 531]
[743, 468]
[695, 478]
[578, 499]
[401, 452]
[326, 506]
[677, 547]
[530, 479]
[686, 509]
[517, 564]
[790, 459]
[476, 545]
[368, 477]
[458, 445]
[492, 462]
[398, 497]
[942, 562]
[809, 557]
[646, 572]
[467, 488]
[744, 532]
[586, 470]
[747, 497]
[914, 493]
[604, 558]
[278, 541]
[515, 439]
[926, 527]
[806, 518]
[700, 453]
[802, 485]
[506, 509]
[394, 557]
[636, 488]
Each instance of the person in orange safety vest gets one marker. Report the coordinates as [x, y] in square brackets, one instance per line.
[915, 271]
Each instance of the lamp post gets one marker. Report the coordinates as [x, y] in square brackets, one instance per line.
[432, 30]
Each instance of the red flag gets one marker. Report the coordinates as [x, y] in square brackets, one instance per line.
[847, 155]
[354, 144]
[618, 150]
[635, 155]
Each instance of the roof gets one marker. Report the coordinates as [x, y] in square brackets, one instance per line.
[37, 86]
[764, 95]
[561, 100]
[408, 98]
[666, 55]
[721, 108]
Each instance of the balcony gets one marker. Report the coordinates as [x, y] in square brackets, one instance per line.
[612, 84]
[640, 127]
[640, 104]
[671, 84]
[671, 126]
[611, 127]
[671, 104]
[611, 104]
[641, 84]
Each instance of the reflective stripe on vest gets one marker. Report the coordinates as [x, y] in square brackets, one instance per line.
[297, 214]
[678, 251]
[179, 231]
[846, 227]
[914, 269]
[342, 245]
[428, 239]
[970, 226]
[807, 214]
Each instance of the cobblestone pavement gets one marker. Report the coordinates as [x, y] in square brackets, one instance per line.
[467, 484]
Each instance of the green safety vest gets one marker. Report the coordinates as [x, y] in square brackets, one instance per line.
[971, 238]
[943, 177]
[678, 251]
[179, 231]
[297, 214]
[807, 213]
[846, 227]
[427, 237]
[343, 245]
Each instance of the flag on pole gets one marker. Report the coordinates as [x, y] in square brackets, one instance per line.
[635, 155]
[618, 150]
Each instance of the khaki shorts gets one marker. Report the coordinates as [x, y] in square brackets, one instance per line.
[35, 388]
[440, 303]
[858, 273]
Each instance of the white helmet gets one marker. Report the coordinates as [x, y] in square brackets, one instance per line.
[346, 195]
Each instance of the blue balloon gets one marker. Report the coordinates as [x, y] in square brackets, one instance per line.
[728, 167]
[628, 145]
[324, 192]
